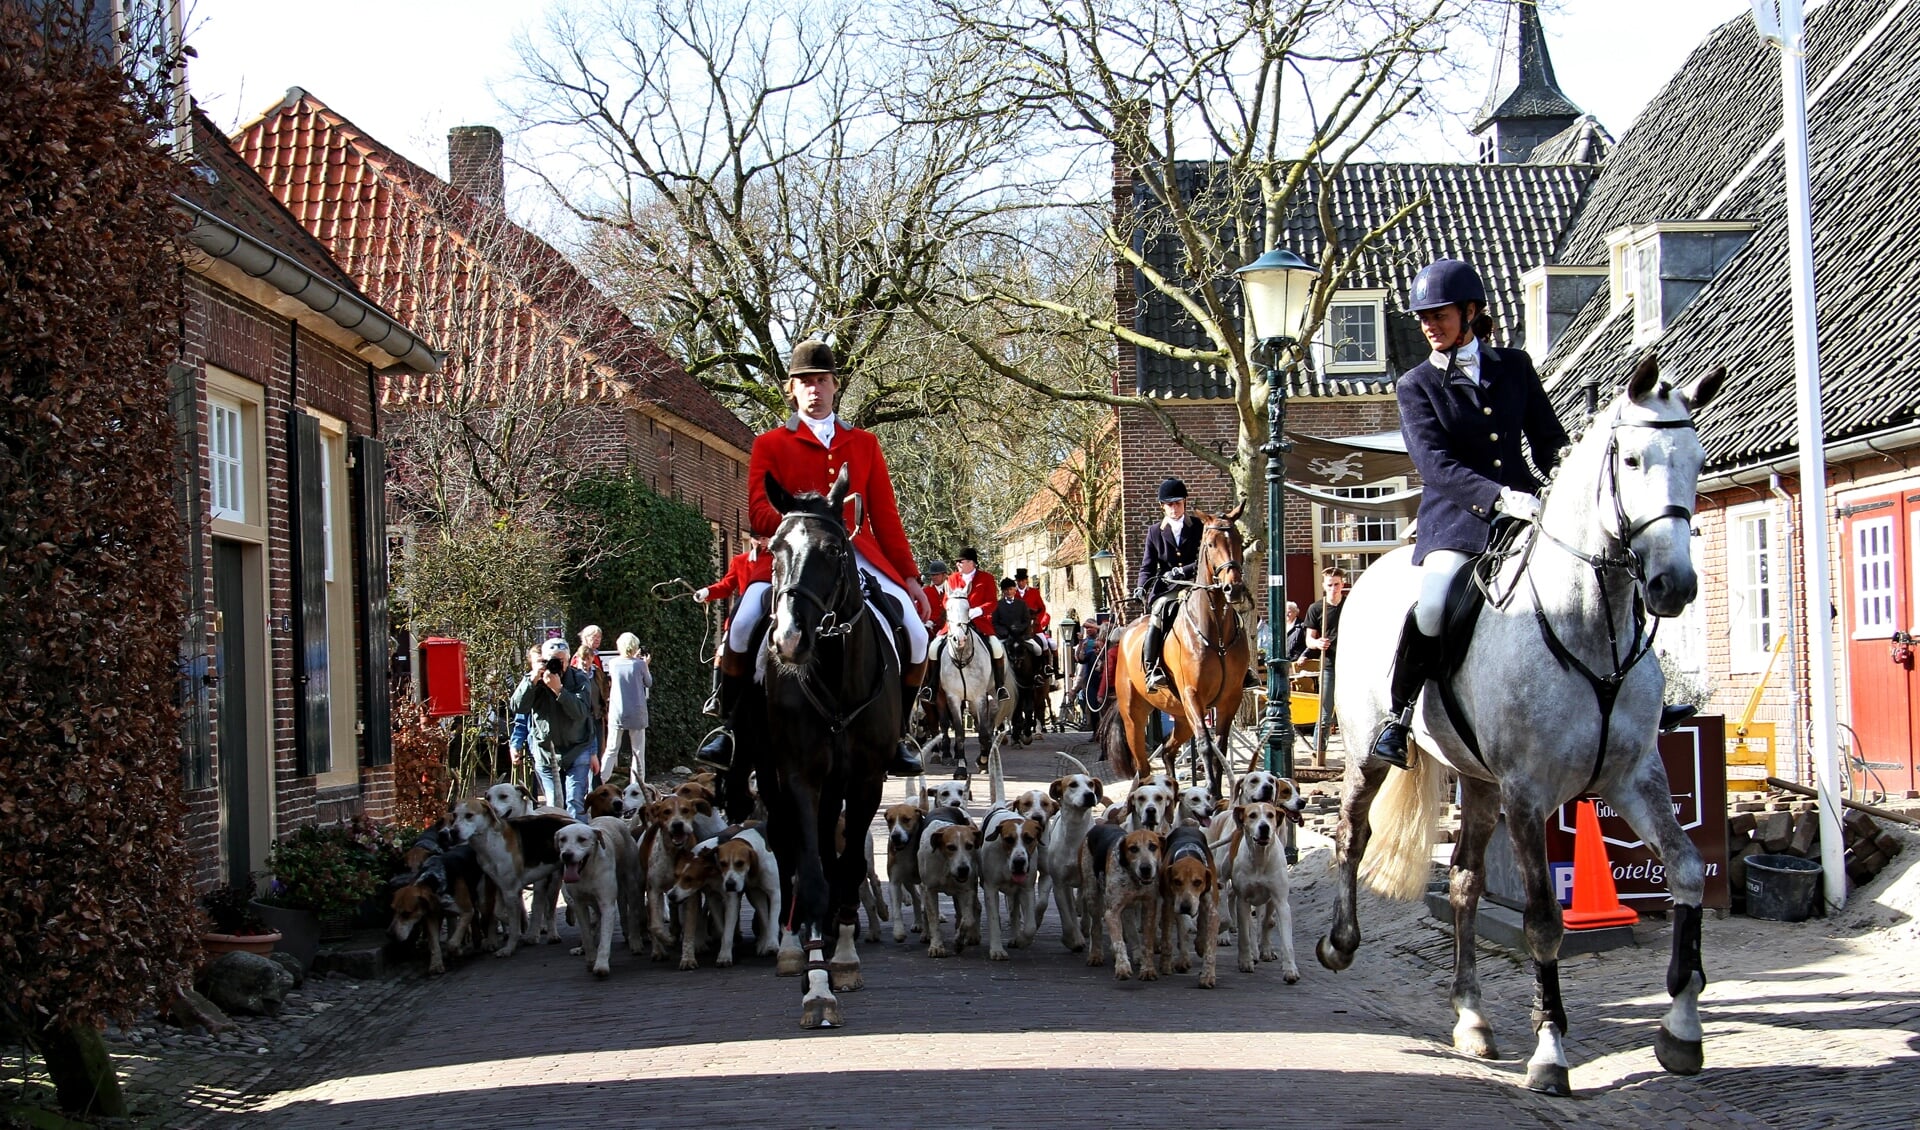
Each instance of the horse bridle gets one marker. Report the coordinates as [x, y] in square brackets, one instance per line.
[830, 624]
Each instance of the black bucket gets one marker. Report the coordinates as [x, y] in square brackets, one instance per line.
[1781, 887]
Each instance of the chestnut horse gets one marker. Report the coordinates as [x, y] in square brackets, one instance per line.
[1206, 656]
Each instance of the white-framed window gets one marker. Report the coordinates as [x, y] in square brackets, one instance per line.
[1750, 586]
[1619, 279]
[1875, 603]
[227, 457]
[330, 447]
[1355, 539]
[1646, 290]
[1353, 337]
[1535, 309]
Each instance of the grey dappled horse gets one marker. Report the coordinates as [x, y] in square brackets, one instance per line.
[1614, 530]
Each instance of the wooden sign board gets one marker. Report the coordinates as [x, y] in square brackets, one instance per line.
[1695, 757]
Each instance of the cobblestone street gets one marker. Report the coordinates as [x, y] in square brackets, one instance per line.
[1807, 1025]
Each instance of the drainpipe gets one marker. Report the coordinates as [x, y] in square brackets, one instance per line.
[1794, 707]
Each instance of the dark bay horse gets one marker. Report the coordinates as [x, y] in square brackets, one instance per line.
[832, 688]
[1206, 656]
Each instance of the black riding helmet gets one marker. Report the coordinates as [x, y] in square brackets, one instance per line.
[1446, 282]
[1172, 490]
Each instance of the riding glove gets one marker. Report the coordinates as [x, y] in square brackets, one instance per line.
[1518, 503]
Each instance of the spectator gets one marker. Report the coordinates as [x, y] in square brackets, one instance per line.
[628, 679]
[517, 732]
[1296, 633]
[557, 699]
[587, 659]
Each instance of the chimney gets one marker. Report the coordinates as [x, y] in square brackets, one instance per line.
[474, 164]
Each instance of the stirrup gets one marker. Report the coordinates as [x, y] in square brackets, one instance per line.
[905, 763]
[717, 750]
[711, 707]
[1391, 745]
[1156, 678]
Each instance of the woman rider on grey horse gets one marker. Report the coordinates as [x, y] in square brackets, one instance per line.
[1463, 412]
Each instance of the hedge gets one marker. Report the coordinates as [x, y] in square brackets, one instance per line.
[638, 539]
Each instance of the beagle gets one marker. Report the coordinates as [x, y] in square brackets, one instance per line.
[1189, 903]
[1009, 857]
[1252, 865]
[903, 866]
[950, 865]
[1075, 795]
[1121, 871]
[598, 865]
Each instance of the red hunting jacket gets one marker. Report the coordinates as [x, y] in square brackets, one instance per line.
[1038, 604]
[792, 454]
[936, 603]
[745, 569]
[982, 595]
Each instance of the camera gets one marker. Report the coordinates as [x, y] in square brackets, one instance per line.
[556, 666]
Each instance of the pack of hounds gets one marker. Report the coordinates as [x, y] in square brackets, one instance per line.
[1149, 879]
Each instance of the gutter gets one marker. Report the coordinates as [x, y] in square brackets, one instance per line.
[1752, 474]
[285, 274]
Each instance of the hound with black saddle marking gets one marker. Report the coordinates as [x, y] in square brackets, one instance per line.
[1009, 860]
[1121, 873]
[950, 865]
[1189, 904]
[515, 854]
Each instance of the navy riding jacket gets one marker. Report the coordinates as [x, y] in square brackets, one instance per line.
[1164, 552]
[1465, 440]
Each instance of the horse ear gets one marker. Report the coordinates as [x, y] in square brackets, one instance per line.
[1700, 393]
[1644, 377]
[838, 495]
[1239, 508]
[781, 500]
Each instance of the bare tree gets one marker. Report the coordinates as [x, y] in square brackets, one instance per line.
[749, 177]
[1272, 97]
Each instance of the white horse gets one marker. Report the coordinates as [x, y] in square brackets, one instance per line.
[1558, 689]
[966, 682]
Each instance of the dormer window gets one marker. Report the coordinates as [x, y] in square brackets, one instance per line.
[1657, 269]
[1646, 291]
[1554, 296]
[1353, 337]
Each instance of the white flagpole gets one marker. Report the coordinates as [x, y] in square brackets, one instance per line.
[1783, 23]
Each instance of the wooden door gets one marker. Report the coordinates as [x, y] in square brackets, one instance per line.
[1879, 540]
[233, 661]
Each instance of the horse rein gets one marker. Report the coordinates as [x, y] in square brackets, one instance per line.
[831, 626]
[1606, 688]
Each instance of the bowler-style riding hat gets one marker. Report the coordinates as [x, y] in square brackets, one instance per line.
[1445, 282]
[967, 553]
[811, 357]
[935, 566]
[1172, 490]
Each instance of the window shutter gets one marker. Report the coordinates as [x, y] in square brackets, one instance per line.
[312, 723]
[196, 747]
[370, 564]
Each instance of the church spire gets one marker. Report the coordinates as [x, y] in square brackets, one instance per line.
[1524, 104]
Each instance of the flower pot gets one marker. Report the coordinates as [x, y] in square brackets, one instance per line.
[299, 929]
[261, 944]
[336, 925]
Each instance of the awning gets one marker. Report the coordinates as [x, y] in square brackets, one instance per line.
[1314, 464]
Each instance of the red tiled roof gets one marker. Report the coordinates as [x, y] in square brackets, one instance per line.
[412, 242]
[1061, 485]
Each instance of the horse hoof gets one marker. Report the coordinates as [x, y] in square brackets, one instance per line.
[1476, 1042]
[789, 964]
[1548, 1079]
[844, 978]
[1332, 957]
[823, 1013]
[1682, 1057]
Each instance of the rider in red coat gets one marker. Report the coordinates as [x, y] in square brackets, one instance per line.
[976, 584]
[807, 454]
[1042, 619]
[754, 566]
[749, 576]
[935, 592]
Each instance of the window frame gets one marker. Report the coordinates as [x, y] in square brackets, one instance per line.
[1375, 302]
[1744, 657]
[250, 398]
[1643, 264]
[1355, 556]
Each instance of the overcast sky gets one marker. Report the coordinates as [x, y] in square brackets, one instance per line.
[408, 70]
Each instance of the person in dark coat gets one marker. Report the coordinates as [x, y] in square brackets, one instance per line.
[1463, 412]
[1171, 554]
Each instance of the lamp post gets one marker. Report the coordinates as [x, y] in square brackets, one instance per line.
[1102, 564]
[1277, 287]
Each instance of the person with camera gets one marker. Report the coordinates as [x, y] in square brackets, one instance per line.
[629, 678]
[558, 701]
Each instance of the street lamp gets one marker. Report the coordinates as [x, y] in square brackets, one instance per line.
[1277, 287]
[1102, 564]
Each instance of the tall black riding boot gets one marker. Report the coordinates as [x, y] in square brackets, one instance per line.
[1155, 644]
[718, 749]
[1412, 663]
[906, 758]
[1000, 678]
[711, 708]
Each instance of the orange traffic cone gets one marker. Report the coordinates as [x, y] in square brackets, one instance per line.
[1596, 903]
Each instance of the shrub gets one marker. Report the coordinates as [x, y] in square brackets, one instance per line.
[646, 538]
[420, 776]
[330, 869]
[230, 910]
[98, 919]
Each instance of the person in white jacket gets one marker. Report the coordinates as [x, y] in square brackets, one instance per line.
[630, 680]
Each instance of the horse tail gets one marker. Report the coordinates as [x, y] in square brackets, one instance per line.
[1113, 740]
[1405, 819]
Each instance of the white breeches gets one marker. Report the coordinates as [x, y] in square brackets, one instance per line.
[916, 629]
[752, 610]
[1436, 574]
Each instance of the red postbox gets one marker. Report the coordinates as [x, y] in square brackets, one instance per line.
[443, 671]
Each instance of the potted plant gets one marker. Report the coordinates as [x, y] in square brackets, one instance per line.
[234, 924]
[324, 870]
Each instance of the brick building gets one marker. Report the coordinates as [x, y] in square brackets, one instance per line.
[1504, 215]
[284, 660]
[501, 301]
[1043, 538]
[1681, 247]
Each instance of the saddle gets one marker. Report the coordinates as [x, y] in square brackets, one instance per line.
[890, 613]
[1466, 597]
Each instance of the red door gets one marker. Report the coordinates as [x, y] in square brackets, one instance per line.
[1880, 547]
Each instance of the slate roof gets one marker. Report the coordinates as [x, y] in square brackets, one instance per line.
[1524, 86]
[1585, 142]
[409, 238]
[1503, 218]
[1686, 149]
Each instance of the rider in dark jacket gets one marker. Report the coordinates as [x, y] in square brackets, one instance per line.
[1463, 412]
[1171, 554]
